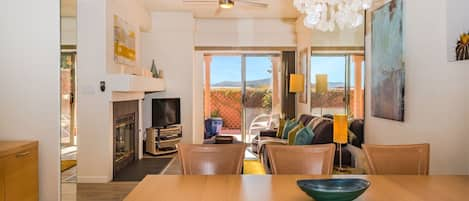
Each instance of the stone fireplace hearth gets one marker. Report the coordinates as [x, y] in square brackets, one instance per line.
[125, 134]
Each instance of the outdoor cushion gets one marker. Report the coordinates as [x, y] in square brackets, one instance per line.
[290, 124]
[304, 136]
[293, 132]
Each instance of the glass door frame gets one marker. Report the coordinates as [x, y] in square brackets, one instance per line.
[347, 79]
[243, 56]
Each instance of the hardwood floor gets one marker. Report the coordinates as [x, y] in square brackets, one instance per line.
[115, 191]
[174, 167]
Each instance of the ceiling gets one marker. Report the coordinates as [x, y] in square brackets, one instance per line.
[208, 8]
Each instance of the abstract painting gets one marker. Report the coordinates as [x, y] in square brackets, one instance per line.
[124, 43]
[457, 30]
[387, 62]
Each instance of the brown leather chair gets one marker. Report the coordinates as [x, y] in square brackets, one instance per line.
[309, 159]
[211, 159]
[398, 159]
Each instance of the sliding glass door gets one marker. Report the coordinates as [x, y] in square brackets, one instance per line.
[243, 91]
[337, 85]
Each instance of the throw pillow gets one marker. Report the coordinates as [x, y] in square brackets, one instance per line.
[304, 136]
[290, 124]
[293, 132]
[281, 125]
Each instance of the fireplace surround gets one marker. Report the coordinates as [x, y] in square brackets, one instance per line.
[125, 134]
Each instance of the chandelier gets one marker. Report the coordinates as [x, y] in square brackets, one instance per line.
[325, 15]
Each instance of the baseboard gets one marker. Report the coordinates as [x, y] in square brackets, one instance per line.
[93, 179]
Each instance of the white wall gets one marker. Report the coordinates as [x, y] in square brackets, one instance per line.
[94, 116]
[171, 44]
[29, 80]
[245, 32]
[436, 93]
[339, 38]
[95, 63]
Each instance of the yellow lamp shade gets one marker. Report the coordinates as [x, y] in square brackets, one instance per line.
[297, 83]
[321, 84]
[340, 128]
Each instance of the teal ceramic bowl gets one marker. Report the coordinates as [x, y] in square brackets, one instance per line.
[334, 189]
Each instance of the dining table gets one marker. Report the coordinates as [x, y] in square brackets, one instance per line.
[284, 188]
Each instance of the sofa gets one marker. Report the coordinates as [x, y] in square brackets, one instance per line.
[323, 130]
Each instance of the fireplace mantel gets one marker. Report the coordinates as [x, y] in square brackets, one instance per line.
[134, 83]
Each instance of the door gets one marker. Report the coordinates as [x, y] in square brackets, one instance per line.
[337, 85]
[243, 90]
[262, 97]
[67, 96]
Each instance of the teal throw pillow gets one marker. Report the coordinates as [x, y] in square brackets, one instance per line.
[304, 136]
[289, 125]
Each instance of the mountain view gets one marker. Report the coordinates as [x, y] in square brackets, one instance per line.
[266, 82]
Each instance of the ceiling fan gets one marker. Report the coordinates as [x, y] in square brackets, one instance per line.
[227, 4]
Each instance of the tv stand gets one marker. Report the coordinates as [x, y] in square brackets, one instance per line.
[163, 140]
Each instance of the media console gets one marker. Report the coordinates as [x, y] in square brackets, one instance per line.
[162, 140]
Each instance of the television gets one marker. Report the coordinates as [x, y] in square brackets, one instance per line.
[166, 112]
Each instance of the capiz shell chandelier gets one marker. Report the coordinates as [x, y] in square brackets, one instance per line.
[324, 15]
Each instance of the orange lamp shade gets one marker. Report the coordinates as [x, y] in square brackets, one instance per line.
[321, 83]
[297, 83]
[340, 128]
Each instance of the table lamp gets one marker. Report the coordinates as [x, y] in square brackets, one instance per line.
[297, 83]
[340, 133]
[321, 86]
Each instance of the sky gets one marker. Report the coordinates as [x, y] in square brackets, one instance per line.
[228, 68]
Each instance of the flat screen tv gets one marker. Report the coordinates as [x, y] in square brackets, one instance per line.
[166, 112]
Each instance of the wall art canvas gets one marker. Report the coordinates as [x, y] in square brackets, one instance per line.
[124, 42]
[388, 66]
[304, 63]
[457, 30]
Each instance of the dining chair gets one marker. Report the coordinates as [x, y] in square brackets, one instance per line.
[211, 159]
[398, 159]
[308, 159]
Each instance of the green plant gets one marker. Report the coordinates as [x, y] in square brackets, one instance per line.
[267, 100]
[215, 113]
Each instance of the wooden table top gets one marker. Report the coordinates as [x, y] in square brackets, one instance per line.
[284, 188]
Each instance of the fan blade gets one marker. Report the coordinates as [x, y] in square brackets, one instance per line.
[218, 11]
[253, 3]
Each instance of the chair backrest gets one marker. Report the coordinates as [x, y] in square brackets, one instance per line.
[309, 159]
[211, 159]
[398, 159]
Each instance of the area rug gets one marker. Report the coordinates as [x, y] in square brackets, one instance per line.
[253, 167]
[67, 164]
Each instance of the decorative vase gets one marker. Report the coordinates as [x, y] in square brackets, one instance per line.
[154, 71]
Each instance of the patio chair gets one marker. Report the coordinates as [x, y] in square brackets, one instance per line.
[262, 122]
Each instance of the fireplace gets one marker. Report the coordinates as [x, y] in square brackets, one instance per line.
[125, 138]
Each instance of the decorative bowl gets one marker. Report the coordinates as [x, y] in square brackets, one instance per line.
[334, 189]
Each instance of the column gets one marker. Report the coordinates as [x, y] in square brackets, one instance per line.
[276, 85]
[207, 64]
[358, 94]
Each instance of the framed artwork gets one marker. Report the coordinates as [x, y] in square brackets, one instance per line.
[457, 30]
[124, 42]
[387, 62]
[303, 65]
